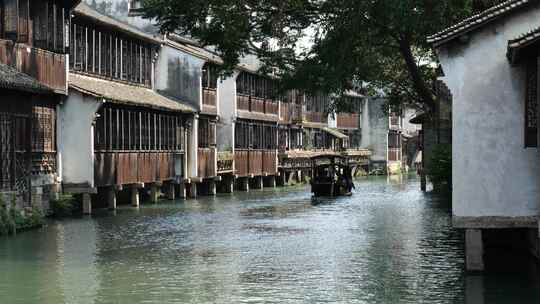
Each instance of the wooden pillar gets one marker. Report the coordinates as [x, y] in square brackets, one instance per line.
[135, 202]
[111, 198]
[87, 203]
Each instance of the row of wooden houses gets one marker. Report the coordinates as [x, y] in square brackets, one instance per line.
[96, 107]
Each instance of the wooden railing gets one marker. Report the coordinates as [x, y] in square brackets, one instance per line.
[46, 67]
[209, 97]
[348, 121]
[207, 162]
[290, 112]
[209, 101]
[225, 162]
[124, 168]
[255, 162]
[316, 117]
[242, 102]
[256, 104]
[394, 122]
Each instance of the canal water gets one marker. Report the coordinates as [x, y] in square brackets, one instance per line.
[389, 243]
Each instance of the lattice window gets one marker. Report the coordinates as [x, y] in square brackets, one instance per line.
[531, 104]
[43, 129]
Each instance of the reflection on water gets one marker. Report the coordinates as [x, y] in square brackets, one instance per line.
[389, 243]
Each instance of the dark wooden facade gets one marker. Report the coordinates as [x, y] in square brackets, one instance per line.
[137, 145]
[99, 51]
[32, 39]
[258, 95]
[33, 44]
[207, 150]
[27, 139]
[256, 147]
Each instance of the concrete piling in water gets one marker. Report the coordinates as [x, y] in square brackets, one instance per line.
[154, 193]
[135, 201]
[257, 182]
[193, 190]
[182, 193]
[227, 185]
[243, 184]
[87, 203]
[474, 250]
[111, 198]
[170, 191]
[212, 188]
[270, 181]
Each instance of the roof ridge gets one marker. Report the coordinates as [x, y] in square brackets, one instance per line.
[476, 20]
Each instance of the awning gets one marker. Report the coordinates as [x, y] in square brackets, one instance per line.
[121, 93]
[11, 78]
[335, 133]
[418, 119]
[518, 46]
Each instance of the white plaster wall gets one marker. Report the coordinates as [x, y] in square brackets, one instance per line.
[493, 174]
[178, 74]
[76, 138]
[227, 112]
[374, 125]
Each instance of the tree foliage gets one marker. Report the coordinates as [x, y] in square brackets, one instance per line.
[381, 43]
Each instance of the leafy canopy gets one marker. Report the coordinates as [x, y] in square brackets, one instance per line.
[323, 45]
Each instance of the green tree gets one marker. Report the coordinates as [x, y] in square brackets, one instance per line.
[352, 42]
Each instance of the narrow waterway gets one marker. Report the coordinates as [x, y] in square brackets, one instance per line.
[389, 243]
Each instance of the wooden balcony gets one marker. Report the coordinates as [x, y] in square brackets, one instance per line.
[255, 108]
[209, 101]
[255, 162]
[206, 162]
[46, 67]
[315, 117]
[124, 168]
[348, 121]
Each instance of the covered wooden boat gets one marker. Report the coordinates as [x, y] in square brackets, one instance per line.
[331, 176]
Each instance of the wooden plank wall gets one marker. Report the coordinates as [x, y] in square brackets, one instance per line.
[207, 162]
[124, 168]
[46, 67]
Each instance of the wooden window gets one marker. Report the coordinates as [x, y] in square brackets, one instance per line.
[209, 76]
[531, 104]
[134, 129]
[11, 19]
[394, 140]
[43, 129]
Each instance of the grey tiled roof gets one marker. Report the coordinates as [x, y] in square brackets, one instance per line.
[12, 79]
[478, 20]
[86, 11]
[121, 93]
[516, 45]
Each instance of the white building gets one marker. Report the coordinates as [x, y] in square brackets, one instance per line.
[490, 63]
